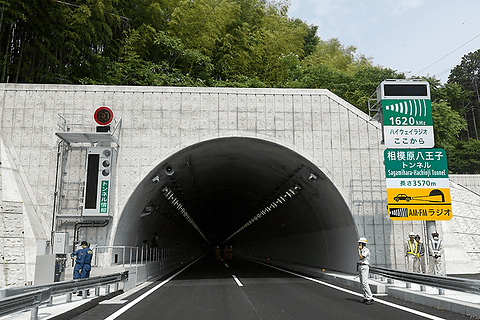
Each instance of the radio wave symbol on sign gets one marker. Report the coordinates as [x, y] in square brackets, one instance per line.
[417, 107]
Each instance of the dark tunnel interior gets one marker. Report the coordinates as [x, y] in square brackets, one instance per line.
[258, 196]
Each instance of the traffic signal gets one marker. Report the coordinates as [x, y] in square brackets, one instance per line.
[97, 182]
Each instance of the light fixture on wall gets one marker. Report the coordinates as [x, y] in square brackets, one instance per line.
[283, 198]
[168, 170]
[175, 202]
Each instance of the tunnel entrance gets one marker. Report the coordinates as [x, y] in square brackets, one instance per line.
[262, 198]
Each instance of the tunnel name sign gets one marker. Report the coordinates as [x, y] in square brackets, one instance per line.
[104, 197]
[417, 184]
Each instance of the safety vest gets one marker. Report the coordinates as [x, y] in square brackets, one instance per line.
[411, 251]
[436, 245]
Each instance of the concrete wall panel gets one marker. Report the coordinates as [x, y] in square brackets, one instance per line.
[159, 121]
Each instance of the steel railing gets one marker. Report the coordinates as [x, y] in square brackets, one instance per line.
[128, 255]
[28, 300]
[440, 282]
[16, 299]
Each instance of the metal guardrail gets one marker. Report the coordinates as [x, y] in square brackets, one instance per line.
[16, 299]
[127, 255]
[451, 283]
[24, 301]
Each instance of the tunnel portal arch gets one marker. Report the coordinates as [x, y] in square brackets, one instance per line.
[262, 197]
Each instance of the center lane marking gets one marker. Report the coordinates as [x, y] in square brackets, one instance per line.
[237, 281]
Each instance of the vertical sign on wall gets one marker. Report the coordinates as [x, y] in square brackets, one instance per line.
[418, 187]
[97, 181]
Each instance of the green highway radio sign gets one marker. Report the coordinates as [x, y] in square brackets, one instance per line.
[406, 114]
[408, 123]
[417, 184]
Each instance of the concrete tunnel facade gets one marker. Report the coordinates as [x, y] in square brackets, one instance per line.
[259, 196]
[232, 153]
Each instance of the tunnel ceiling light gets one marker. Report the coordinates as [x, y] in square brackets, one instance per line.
[290, 193]
[312, 176]
[170, 196]
[152, 210]
[146, 211]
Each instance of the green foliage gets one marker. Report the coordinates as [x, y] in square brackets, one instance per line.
[464, 158]
[337, 56]
[466, 76]
[366, 79]
[228, 43]
[447, 125]
[311, 40]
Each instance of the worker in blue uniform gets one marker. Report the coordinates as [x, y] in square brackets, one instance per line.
[79, 261]
[82, 263]
[87, 261]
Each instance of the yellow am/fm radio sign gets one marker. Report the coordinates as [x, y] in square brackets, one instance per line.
[419, 203]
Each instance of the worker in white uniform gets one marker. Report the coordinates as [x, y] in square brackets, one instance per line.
[363, 267]
[421, 258]
[435, 252]
[411, 252]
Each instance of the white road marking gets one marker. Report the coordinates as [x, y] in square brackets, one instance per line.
[419, 313]
[113, 301]
[146, 294]
[237, 281]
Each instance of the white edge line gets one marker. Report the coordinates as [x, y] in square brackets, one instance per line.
[237, 281]
[146, 294]
[422, 314]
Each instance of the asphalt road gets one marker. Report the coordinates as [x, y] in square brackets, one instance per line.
[242, 289]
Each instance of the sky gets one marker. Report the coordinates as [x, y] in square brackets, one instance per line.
[416, 37]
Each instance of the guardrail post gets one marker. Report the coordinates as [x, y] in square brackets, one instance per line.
[97, 291]
[423, 288]
[441, 292]
[123, 257]
[390, 281]
[107, 288]
[68, 297]
[34, 313]
[408, 285]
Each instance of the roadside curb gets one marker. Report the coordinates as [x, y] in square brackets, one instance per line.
[85, 307]
[435, 301]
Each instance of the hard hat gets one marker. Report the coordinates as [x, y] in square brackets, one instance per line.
[362, 240]
[412, 234]
[434, 232]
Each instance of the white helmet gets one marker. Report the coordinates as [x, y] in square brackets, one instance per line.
[435, 232]
[362, 240]
[412, 234]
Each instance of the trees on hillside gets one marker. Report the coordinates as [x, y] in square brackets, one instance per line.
[240, 43]
[467, 76]
[464, 93]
